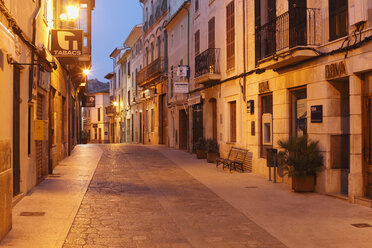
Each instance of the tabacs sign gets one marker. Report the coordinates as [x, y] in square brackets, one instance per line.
[67, 43]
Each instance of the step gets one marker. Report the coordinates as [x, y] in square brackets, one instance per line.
[367, 202]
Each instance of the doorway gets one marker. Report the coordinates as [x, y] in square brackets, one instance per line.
[16, 131]
[183, 129]
[297, 22]
[197, 124]
[367, 134]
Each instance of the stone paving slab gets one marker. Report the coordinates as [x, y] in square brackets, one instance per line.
[140, 198]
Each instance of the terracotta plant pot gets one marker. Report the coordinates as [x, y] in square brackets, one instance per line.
[303, 184]
[200, 154]
[211, 157]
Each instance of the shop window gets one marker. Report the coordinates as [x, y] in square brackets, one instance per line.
[266, 123]
[232, 106]
[338, 19]
[298, 112]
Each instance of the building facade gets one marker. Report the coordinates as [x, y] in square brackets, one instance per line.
[40, 95]
[259, 72]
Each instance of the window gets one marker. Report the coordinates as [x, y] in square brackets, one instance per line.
[211, 33]
[232, 121]
[196, 5]
[129, 68]
[128, 97]
[230, 36]
[266, 122]
[338, 19]
[298, 112]
[197, 42]
[152, 52]
[99, 114]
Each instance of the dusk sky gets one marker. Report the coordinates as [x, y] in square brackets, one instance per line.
[111, 23]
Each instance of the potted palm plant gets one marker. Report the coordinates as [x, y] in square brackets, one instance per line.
[200, 148]
[300, 160]
[212, 150]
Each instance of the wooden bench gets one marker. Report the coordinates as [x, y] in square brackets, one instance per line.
[237, 159]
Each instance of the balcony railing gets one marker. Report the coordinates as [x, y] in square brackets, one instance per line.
[141, 76]
[111, 110]
[152, 71]
[297, 27]
[208, 62]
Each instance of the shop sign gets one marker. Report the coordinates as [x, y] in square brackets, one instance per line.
[40, 130]
[90, 101]
[181, 87]
[44, 80]
[67, 43]
[335, 70]
[316, 114]
[194, 100]
[263, 87]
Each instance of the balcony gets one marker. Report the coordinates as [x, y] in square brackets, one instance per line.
[111, 111]
[152, 72]
[288, 39]
[207, 66]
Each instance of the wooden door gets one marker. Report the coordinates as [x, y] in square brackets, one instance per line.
[368, 146]
[16, 131]
[183, 129]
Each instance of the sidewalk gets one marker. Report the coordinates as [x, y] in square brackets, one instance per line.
[307, 220]
[58, 198]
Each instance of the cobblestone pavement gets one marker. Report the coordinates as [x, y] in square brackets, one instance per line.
[139, 198]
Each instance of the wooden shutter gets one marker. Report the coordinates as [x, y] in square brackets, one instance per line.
[197, 42]
[211, 33]
[230, 36]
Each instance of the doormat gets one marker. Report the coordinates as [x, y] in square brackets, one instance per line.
[361, 225]
[32, 214]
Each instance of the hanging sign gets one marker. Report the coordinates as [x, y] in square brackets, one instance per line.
[182, 71]
[90, 101]
[67, 43]
[181, 87]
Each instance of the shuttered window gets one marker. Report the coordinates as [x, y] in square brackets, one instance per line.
[338, 19]
[197, 42]
[211, 33]
[232, 121]
[230, 36]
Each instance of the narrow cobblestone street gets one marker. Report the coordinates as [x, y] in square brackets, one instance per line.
[140, 198]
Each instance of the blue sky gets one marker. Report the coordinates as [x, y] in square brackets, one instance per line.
[112, 22]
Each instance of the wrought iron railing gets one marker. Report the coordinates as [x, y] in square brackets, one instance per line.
[141, 76]
[297, 27]
[208, 62]
[153, 70]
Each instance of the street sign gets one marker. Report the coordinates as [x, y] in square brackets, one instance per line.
[181, 87]
[67, 43]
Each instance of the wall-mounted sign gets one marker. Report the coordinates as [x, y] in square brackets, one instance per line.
[183, 71]
[40, 130]
[250, 107]
[90, 101]
[67, 43]
[335, 70]
[181, 87]
[316, 114]
[263, 87]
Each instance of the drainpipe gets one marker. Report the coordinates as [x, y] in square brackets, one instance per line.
[244, 65]
[31, 72]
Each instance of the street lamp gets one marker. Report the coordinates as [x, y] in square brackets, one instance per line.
[116, 104]
[85, 73]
